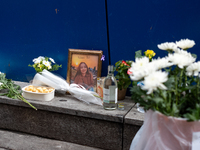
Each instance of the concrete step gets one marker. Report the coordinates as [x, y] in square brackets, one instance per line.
[19, 141]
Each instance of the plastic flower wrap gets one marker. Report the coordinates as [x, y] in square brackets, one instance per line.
[171, 84]
[47, 78]
[42, 63]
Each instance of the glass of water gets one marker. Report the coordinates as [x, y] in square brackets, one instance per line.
[140, 109]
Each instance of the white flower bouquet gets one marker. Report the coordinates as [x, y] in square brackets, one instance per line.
[42, 63]
[170, 85]
[49, 79]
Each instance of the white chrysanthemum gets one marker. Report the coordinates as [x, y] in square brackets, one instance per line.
[185, 43]
[140, 63]
[137, 76]
[139, 68]
[38, 60]
[193, 69]
[181, 58]
[143, 72]
[52, 60]
[155, 80]
[161, 63]
[151, 68]
[177, 50]
[167, 46]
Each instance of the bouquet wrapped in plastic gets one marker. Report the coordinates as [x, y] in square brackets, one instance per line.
[160, 132]
[47, 78]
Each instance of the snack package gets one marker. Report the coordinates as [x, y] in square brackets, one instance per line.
[100, 81]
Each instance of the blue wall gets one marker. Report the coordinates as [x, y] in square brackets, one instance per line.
[142, 24]
[32, 28]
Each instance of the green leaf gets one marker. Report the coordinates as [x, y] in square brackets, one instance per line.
[138, 54]
[175, 110]
[194, 55]
[3, 94]
[164, 94]
[157, 100]
[170, 83]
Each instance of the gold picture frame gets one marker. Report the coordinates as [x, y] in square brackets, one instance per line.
[88, 59]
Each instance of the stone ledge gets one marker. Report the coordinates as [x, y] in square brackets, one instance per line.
[132, 123]
[73, 106]
[133, 117]
[72, 121]
[20, 141]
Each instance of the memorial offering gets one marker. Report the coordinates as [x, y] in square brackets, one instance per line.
[49, 79]
[11, 90]
[38, 89]
[84, 67]
[170, 95]
[42, 63]
[110, 90]
[170, 84]
[123, 79]
[100, 81]
[41, 93]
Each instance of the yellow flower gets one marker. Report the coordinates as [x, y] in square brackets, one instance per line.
[149, 53]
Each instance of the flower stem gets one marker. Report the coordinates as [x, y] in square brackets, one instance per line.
[19, 96]
[181, 76]
[185, 80]
[197, 89]
[170, 99]
[176, 89]
[24, 100]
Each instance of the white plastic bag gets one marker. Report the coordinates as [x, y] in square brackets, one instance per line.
[160, 132]
[79, 92]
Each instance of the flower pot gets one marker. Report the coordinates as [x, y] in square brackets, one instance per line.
[122, 94]
[161, 132]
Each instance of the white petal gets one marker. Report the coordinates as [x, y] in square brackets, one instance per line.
[185, 43]
[52, 60]
[163, 87]
[150, 91]
[167, 46]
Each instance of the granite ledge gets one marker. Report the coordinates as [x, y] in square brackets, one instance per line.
[134, 117]
[66, 104]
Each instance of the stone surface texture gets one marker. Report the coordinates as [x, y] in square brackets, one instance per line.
[68, 119]
[19, 141]
[132, 123]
